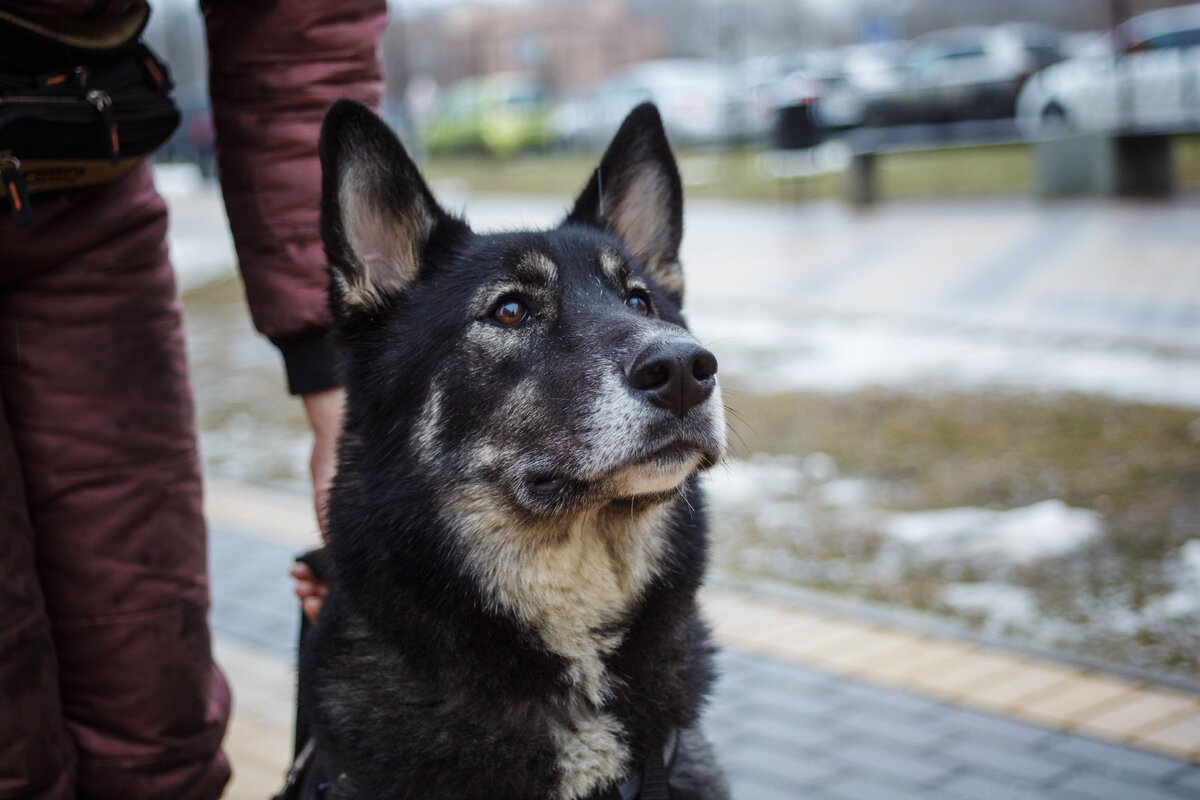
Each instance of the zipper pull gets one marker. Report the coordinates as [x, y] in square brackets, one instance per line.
[103, 104]
[81, 75]
[15, 189]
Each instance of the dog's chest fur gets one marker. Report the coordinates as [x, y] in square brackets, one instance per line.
[574, 588]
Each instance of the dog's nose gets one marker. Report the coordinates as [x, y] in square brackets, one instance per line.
[676, 375]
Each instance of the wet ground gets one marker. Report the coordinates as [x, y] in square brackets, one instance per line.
[987, 409]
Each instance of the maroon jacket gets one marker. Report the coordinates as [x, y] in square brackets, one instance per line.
[106, 679]
[275, 66]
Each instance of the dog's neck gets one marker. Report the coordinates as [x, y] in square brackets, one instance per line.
[573, 583]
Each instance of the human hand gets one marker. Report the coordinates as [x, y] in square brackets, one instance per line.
[324, 410]
[309, 589]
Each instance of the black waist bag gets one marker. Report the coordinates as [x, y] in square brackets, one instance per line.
[80, 105]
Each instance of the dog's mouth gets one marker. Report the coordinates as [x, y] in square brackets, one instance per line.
[652, 476]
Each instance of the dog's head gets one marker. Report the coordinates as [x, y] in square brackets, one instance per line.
[542, 372]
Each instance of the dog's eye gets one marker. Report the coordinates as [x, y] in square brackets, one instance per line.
[639, 302]
[510, 311]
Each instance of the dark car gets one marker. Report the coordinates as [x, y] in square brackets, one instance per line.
[962, 74]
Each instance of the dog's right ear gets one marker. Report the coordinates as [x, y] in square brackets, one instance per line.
[377, 214]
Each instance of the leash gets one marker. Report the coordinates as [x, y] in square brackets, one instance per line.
[291, 783]
[653, 782]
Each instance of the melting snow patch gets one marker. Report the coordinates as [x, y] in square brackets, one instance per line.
[1184, 599]
[1003, 604]
[1045, 529]
[831, 354]
[755, 482]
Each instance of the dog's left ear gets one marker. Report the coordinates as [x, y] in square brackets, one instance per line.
[377, 213]
[637, 196]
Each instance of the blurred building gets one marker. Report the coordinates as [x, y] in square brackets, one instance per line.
[568, 44]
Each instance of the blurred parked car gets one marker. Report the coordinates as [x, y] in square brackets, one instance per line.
[962, 74]
[857, 73]
[758, 84]
[1145, 76]
[694, 95]
[498, 114]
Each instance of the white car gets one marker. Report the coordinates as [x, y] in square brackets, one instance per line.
[1145, 77]
[695, 97]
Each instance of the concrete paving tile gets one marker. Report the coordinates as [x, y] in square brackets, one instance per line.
[793, 766]
[864, 787]
[1009, 764]
[896, 701]
[725, 701]
[800, 703]
[905, 731]
[252, 782]
[1114, 760]
[800, 643]
[1177, 793]
[1187, 780]
[744, 621]
[1141, 710]
[1002, 732]
[748, 785]
[901, 665]
[1008, 688]
[858, 654]
[1094, 786]
[784, 678]
[1063, 706]
[251, 739]
[1180, 736]
[786, 732]
[886, 760]
[975, 786]
[947, 678]
[793, 672]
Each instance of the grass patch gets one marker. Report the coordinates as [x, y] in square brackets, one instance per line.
[1135, 465]
[737, 174]
[976, 449]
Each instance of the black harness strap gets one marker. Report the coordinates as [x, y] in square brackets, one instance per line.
[655, 778]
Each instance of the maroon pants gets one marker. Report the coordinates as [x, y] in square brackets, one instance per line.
[107, 684]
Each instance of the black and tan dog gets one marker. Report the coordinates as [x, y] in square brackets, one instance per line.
[517, 532]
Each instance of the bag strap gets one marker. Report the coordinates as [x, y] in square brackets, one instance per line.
[90, 35]
[30, 47]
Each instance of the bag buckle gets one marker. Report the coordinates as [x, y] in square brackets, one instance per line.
[103, 104]
[15, 189]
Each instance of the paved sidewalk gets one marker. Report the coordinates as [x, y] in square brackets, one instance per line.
[810, 704]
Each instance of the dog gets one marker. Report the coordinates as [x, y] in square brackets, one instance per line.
[516, 530]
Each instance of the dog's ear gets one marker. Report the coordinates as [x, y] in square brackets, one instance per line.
[636, 195]
[377, 214]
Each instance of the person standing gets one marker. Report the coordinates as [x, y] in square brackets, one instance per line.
[107, 684]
